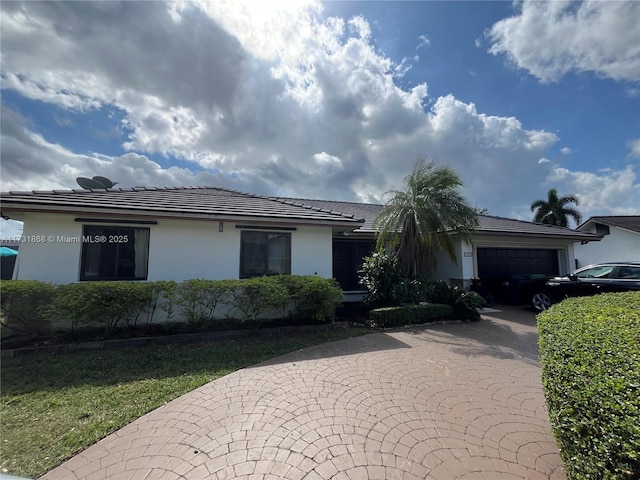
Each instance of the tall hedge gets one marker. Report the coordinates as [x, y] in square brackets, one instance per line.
[590, 355]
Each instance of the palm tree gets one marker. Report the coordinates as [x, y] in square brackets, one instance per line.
[419, 219]
[554, 210]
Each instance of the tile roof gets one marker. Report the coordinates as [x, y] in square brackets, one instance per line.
[213, 201]
[367, 211]
[488, 224]
[628, 222]
[205, 201]
[501, 225]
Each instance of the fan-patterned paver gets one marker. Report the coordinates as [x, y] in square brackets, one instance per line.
[444, 402]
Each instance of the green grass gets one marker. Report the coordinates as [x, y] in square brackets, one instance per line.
[52, 407]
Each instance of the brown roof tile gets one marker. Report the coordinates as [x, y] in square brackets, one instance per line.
[488, 224]
[206, 201]
[367, 211]
[212, 201]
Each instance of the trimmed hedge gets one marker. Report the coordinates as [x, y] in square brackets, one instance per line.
[198, 299]
[25, 306]
[409, 315]
[590, 355]
[105, 304]
[38, 308]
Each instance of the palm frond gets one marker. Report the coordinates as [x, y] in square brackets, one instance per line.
[554, 211]
[419, 219]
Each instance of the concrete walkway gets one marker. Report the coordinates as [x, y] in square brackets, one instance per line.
[452, 401]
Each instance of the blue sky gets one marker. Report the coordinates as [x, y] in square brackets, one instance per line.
[330, 100]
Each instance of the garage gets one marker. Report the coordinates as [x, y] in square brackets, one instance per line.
[498, 262]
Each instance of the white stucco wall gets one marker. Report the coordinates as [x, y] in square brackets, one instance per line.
[178, 250]
[312, 251]
[619, 245]
[44, 254]
[448, 270]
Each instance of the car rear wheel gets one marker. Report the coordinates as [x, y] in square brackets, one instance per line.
[540, 301]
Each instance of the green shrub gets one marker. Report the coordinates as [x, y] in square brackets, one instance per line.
[25, 306]
[418, 290]
[383, 280]
[106, 304]
[465, 304]
[255, 296]
[167, 298]
[293, 285]
[590, 355]
[318, 298]
[37, 308]
[409, 314]
[198, 299]
[154, 295]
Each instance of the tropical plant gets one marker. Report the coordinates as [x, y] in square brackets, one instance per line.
[419, 219]
[383, 280]
[465, 304]
[554, 210]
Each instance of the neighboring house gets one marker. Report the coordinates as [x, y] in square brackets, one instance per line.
[205, 232]
[621, 240]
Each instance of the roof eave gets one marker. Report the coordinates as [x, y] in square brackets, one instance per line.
[9, 207]
[568, 236]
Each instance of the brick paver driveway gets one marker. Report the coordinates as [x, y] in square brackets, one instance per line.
[450, 401]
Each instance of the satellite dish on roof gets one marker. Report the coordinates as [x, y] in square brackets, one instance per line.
[101, 183]
[105, 181]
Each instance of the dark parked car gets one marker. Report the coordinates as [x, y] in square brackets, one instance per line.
[512, 289]
[589, 280]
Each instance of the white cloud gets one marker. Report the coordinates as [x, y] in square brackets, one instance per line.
[634, 148]
[566, 151]
[424, 41]
[401, 69]
[324, 159]
[30, 162]
[10, 230]
[261, 101]
[266, 30]
[607, 192]
[552, 39]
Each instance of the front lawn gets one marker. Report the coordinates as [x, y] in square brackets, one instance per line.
[52, 407]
